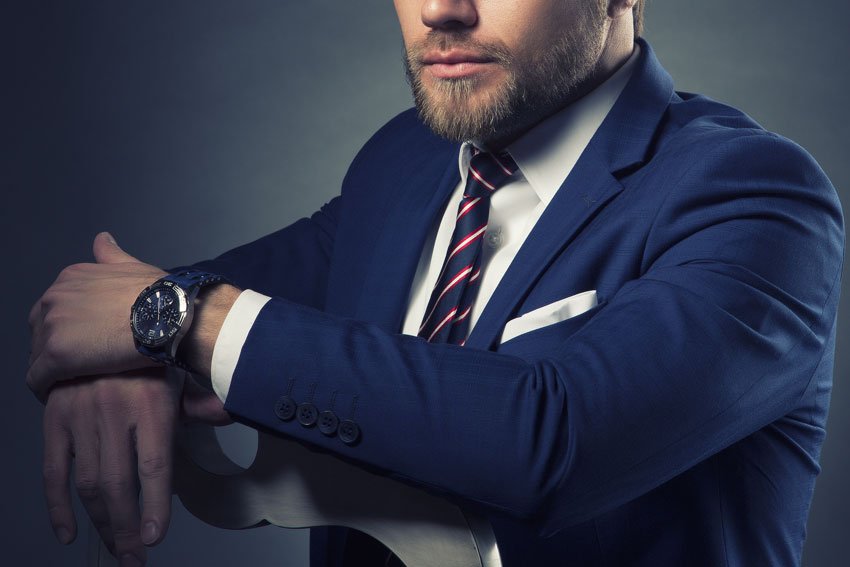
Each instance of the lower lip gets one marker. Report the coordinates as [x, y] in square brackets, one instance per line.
[457, 70]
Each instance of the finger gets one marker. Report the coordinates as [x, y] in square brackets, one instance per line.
[42, 375]
[56, 476]
[154, 446]
[120, 488]
[87, 477]
[107, 251]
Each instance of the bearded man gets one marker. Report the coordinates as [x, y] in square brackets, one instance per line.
[597, 309]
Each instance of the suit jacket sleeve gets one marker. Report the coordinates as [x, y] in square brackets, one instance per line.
[291, 263]
[731, 318]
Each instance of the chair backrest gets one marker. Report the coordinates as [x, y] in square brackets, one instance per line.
[291, 486]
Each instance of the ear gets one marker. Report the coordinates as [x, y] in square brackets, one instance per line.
[618, 8]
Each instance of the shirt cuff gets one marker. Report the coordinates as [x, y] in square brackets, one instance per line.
[231, 338]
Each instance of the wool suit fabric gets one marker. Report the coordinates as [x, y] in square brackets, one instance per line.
[677, 422]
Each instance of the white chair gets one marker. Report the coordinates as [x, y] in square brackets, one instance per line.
[291, 486]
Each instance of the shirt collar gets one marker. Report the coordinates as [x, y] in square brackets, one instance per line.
[547, 153]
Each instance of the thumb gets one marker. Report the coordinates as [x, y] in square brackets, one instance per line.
[107, 251]
[201, 404]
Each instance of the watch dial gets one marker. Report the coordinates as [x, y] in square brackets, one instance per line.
[158, 315]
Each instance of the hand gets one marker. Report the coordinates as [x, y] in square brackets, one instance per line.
[119, 431]
[81, 325]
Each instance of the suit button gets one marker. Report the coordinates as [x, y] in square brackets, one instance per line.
[349, 432]
[307, 414]
[328, 422]
[284, 408]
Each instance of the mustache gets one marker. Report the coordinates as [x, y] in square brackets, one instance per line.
[441, 40]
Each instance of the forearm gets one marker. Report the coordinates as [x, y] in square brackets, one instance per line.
[283, 264]
[602, 418]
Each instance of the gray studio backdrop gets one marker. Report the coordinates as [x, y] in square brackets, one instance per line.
[188, 127]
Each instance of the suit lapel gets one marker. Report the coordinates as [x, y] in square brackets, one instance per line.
[586, 190]
[418, 205]
[621, 144]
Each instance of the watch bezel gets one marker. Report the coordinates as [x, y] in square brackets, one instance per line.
[174, 330]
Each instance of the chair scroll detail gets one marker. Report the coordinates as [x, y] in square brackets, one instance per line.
[289, 485]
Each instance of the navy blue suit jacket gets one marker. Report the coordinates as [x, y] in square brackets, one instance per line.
[679, 422]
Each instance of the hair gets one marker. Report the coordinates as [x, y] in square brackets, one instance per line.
[637, 15]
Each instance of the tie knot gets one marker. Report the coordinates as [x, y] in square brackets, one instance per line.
[488, 172]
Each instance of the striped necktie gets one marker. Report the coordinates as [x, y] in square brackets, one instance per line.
[447, 316]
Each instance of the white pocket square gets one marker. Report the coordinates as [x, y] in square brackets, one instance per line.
[550, 314]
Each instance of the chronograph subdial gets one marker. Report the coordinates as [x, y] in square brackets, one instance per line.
[158, 314]
[162, 313]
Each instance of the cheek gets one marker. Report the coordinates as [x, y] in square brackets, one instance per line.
[525, 26]
[410, 21]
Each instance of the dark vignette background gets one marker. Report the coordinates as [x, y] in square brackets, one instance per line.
[188, 127]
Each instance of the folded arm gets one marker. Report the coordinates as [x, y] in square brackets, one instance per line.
[720, 336]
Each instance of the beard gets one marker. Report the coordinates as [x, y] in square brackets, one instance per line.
[534, 87]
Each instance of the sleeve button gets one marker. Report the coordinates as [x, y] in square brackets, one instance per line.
[284, 408]
[349, 432]
[328, 422]
[307, 414]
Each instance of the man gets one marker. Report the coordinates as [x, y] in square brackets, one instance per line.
[632, 365]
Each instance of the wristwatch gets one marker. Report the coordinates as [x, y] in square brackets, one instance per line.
[162, 314]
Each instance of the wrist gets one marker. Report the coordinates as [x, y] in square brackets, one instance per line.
[212, 305]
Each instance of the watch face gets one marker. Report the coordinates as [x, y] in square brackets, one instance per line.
[158, 313]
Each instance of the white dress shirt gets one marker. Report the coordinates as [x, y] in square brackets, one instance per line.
[545, 156]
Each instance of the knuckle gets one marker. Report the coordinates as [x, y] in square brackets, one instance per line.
[124, 535]
[117, 483]
[48, 299]
[53, 323]
[106, 396]
[56, 413]
[144, 398]
[154, 466]
[126, 539]
[88, 488]
[34, 314]
[53, 351]
[71, 271]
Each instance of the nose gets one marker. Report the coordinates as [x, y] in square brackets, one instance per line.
[449, 14]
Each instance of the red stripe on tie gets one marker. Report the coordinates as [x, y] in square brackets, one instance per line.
[500, 164]
[455, 280]
[463, 315]
[463, 244]
[469, 239]
[465, 248]
[443, 323]
[467, 207]
[483, 181]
